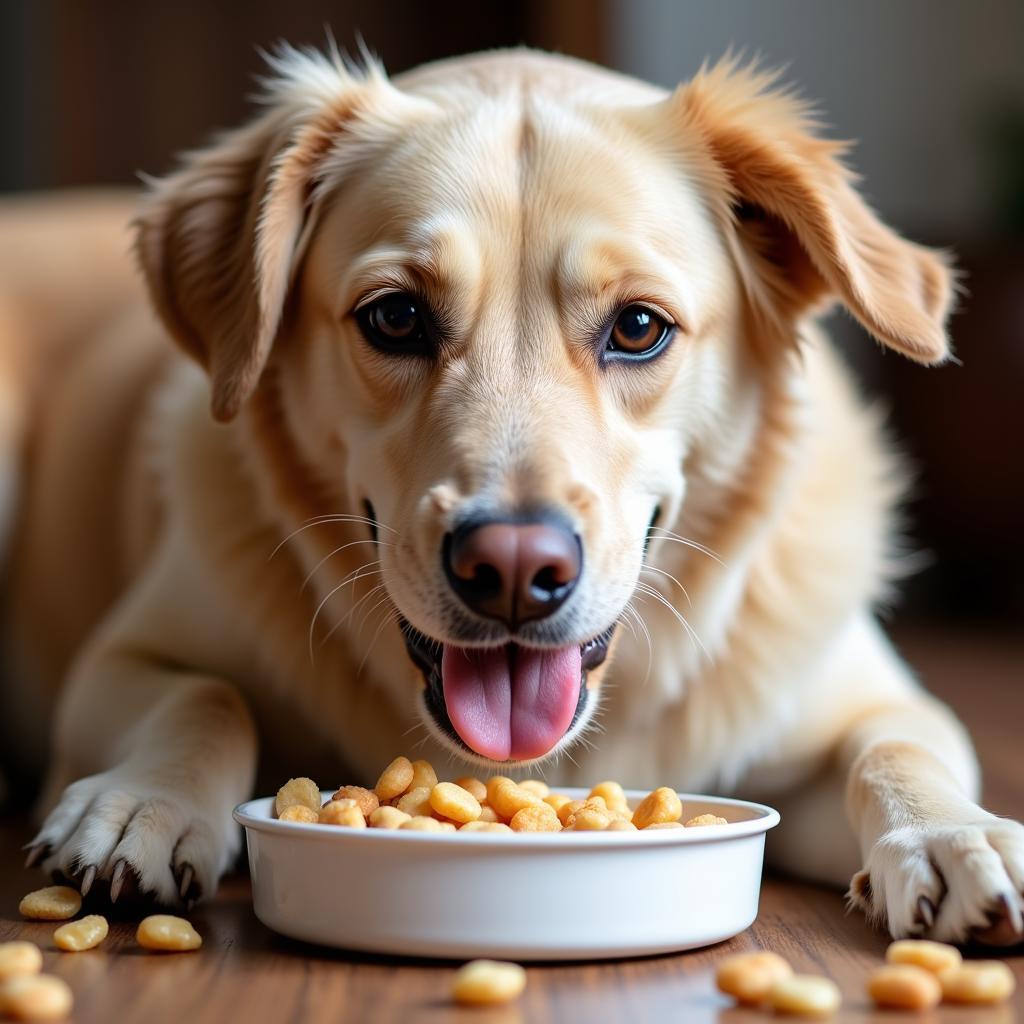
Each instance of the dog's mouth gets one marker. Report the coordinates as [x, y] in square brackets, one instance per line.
[506, 703]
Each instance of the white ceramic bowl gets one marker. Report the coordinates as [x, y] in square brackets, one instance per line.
[540, 896]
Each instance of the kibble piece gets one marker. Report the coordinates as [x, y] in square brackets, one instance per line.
[474, 786]
[298, 791]
[388, 817]
[422, 823]
[540, 818]
[977, 982]
[536, 787]
[485, 826]
[53, 903]
[416, 802]
[932, 956]
[454, 802]
[488, 983]
[807, 995]
[342, 812]
[663, 824]
[566, 811]
[557, 800]
[904, 987]
[168, 934]
[488, 813]
[300, 812]
[394, 780]
[365, 799]
[18, 959]
[612, 794]
[494, 782]
[85, 933]
[621, 825]
[507, 798]
[660, 806]
[706, 819]
[594, 804]
[35, 997]
[588, 819]
[749, 977]
[423, 774]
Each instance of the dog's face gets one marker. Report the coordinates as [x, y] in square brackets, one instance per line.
[513, 360]
[501, 321]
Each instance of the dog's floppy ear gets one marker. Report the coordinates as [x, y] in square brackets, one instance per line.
[218, 240]
[799, 229]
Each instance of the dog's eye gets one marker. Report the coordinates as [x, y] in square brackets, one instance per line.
[395, 323]
[638, 332]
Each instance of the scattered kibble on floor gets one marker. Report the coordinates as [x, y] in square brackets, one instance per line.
[488, 983]
[164, 933]
[918, 974]
[35, 997]
[18, 959]
[52, 903]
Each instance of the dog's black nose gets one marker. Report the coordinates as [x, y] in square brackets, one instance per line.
[514, 572]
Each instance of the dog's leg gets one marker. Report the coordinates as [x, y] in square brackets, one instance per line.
[898, 800]
[165, 754]
[935, 863]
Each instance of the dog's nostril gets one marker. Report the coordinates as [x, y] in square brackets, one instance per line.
[547, 582]
[485, 578]
[513, 571]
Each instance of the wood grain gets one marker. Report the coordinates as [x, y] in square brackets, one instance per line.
[244, 972]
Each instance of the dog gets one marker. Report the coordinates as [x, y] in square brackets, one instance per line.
[498, 422]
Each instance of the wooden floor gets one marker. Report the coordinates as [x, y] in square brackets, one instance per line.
[245, 973]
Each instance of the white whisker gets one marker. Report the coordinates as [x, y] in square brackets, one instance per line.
[366, 597]
[331, 554]
[352, 578]
[630, 607]
[654, 568]
[389, 616]
[337, 517]
[669, 535]
[644, 588]
[365, 617]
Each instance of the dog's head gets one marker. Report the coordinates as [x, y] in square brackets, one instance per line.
[502, 302]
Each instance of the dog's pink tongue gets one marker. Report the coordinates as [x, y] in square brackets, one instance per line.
[510, 703]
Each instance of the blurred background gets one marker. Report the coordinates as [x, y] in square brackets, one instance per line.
[933, 90]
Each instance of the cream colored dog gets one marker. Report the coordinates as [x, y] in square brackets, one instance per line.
[502, 356]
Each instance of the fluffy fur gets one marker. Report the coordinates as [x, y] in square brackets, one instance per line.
[185, 582]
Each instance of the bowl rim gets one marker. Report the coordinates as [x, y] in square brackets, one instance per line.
[255, 815]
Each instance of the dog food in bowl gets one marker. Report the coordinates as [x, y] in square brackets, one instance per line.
[481, 868]
[408, 796]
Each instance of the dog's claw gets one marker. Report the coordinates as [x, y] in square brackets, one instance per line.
[117, 879]
[36, 854]
[188, 888]
[926, 911]
[88, 877]
[185, 882]
[1005, 924]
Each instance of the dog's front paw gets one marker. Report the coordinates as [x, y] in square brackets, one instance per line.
[947, 882]
[135, 836]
